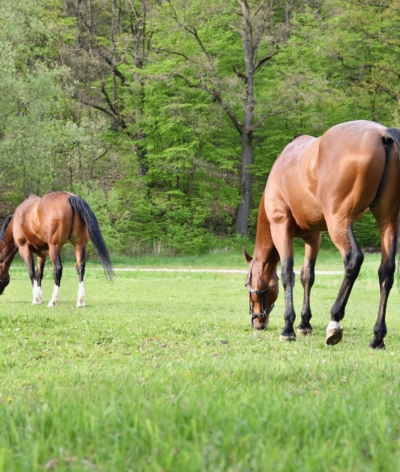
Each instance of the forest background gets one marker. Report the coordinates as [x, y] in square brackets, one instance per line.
[167, 115]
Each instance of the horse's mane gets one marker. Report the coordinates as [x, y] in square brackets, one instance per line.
[4, 227]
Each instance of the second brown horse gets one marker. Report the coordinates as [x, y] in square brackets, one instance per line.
[318, 184]
[41, 225]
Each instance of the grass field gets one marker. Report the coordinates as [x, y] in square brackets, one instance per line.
[162, 372]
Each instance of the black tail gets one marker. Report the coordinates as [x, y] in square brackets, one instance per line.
[87, 215]
[392, 134]
[4, 227]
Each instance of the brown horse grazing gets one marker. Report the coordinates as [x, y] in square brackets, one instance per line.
[41, 225]
[326, 183]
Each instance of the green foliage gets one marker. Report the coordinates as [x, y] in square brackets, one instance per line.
[366, 231]
[150, 142]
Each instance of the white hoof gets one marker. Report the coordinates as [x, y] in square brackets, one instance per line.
[80, 304]
[52, 303]
[334, 333]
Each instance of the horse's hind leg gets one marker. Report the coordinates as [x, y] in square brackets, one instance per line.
[55, 257]
[342, 235]
[388, 232]
[385, 209]
[307, 280]
[386, 279]
[80, 252]
[37, 282]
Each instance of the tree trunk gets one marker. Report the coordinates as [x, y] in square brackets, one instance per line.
[243, 212]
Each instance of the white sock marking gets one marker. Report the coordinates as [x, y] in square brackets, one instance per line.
[334, 325]
[37, 294]
[55, 296]
[81, 296]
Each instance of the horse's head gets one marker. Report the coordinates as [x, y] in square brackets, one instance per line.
[262, 284]
[3, 283]
[8, 250]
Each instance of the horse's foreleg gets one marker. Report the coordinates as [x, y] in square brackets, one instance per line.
[353, 258]
[55, 256]
[27, 256]
[307, 280]
[80, 267]
[282, 235]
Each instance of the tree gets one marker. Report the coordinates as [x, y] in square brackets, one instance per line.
[207, 58]
[361, 42]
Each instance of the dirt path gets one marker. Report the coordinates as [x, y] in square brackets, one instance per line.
[164, 269]
[222, 271]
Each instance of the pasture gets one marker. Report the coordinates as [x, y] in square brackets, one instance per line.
[162, 372]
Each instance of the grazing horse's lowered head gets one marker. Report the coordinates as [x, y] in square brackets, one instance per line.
[7, 252]
[263, 291]
[262, 279]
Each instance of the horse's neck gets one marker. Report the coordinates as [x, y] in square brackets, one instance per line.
[8, 249]
[265, 249]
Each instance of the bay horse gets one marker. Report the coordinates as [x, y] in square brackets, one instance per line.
[43, 225]
[319, 184]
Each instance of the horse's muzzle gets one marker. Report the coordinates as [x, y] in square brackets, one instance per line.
[3, 284]
[260, 322]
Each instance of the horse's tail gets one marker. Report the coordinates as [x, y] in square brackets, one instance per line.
[391, 134]
[4, 227]
[84, 211]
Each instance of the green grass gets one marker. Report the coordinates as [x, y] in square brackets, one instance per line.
[162, 371]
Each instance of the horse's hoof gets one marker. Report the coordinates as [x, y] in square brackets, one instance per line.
[287, 337]
[51, 304]
[36, 302]
[377, 345]
[80, 305]
[304, 331]
[334, 333]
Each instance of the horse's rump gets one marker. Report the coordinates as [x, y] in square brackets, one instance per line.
[338, 173]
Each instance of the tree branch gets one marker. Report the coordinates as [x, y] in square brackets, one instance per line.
[216, 97]
[274, 113]
[266, 58]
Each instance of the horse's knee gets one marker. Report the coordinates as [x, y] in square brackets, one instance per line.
[287, 273]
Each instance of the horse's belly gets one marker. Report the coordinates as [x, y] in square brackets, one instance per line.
[310, 219]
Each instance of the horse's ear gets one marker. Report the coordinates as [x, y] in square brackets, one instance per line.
[247, 256]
